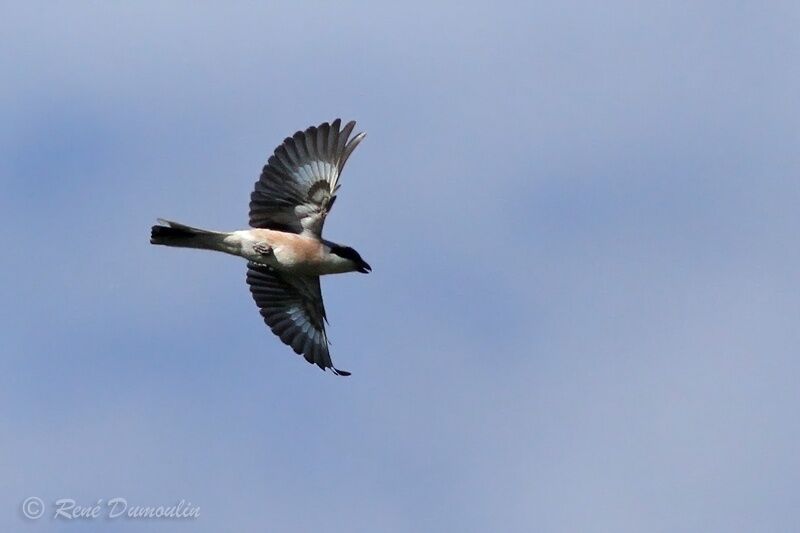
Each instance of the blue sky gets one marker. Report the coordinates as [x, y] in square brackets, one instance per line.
[582, 219]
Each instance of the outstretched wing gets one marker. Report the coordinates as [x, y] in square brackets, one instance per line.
[292, 308]
[298, 185]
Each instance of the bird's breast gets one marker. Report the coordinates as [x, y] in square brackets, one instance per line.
[290, 252]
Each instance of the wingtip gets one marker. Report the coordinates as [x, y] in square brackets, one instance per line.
[338, 372]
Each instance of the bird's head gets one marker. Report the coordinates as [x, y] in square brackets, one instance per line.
[354, 257]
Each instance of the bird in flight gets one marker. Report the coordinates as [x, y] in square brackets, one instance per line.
[284, 248]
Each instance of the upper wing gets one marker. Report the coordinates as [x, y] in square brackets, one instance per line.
[298, 185]
[292, 308]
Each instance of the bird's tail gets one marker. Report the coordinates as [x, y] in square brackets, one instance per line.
[170, 233]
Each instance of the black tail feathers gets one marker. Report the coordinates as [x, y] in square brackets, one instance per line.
[174, 234]
[160, 234]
